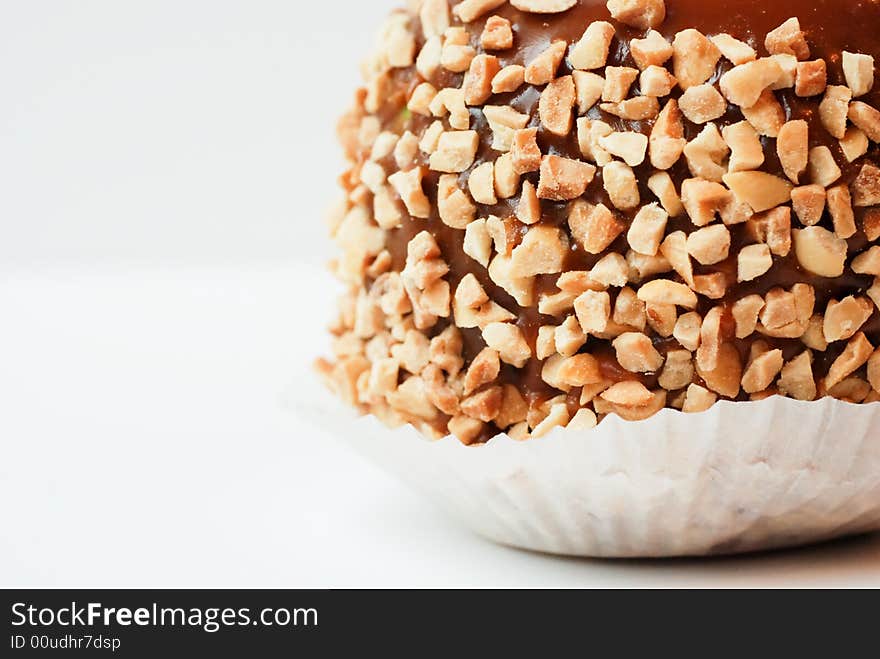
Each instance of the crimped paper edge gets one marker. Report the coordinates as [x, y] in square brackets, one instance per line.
[738, 482]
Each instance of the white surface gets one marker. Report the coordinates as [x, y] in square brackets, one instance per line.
[156, 159]
[173, 130]
[148, 439]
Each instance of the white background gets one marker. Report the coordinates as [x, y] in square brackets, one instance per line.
[164, 166]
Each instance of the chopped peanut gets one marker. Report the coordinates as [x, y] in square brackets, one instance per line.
[823, 168]
[637, 354]
[874, 371]
[656, 81]
[745, 314]
[702, 103]
[563, 179]
[544, 6]
[753, 261]
[641, 14]
[841, 209]
[584, 419]
[631, 147]
[618, 80]
[706, 154]
[477, 83]
[580, 371]
[871, 224]
[508, 79]
[647, 230]
[834, 108]
[678, 371]
[698, 399]
[620, 183]
[789, 65]
[628, 393]
[792, 146]
[466, 429]
[420, 100]
[593, 310]
[759, 190]
[726, 375]
[762, 371]
[663, 318]
[525, 151]
[556, 105]
[788, 39]
[629, 310]
[503, 271]
[866, 118]
[481, 184]
[455, 152]
[712, 286]
[694, 58]
[709, 245]
[812, 78]
[470, 10]
[854, 143]
[528, 210]
[733, 49]
[808, 202]
[593, 227]
[746, 150]
[588, 89]
[431, 137]
[797, 380]
[591, 51]
[434, 16]
[820, 251]
[409, 186]
[542, 251]
[667, 137]
[661, 184]
[477, 242]
[456, 54]
[653, 50]
[866, 187]
[674, 249]
[504, 121]
[455, 208]
[664, 291]
[506, 177]
[589, 133]
[868, 262]
[744, 84]
[858, 351]
[767, 115]
[542, 69]
[497, 34]
[843, 319]
[545, 344]
[687, 330]
[639, 108]
[569, 337]
[611, 270]
[485, 405]
[859, 72]
[702, 199]
[773, 228]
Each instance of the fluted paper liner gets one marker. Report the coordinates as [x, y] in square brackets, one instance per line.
[738, 478]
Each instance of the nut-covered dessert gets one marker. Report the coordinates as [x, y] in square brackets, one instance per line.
[558, 210]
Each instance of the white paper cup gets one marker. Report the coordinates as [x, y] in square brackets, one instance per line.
[740, 477]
